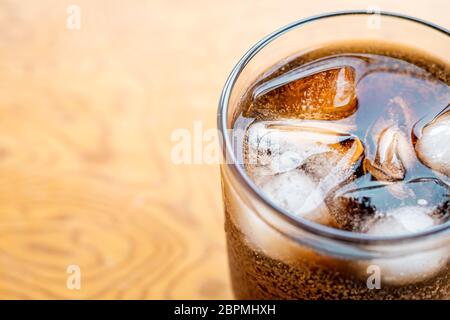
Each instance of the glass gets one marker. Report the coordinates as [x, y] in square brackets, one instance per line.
[275, 255]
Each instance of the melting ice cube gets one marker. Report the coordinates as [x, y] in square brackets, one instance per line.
[376, 211]
[416, 266]
[285, 159]
[433, 147]
[354, 208]
[322, 90]
[402, 220]
[394, 152]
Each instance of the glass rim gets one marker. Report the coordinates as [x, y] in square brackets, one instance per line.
[240, 174]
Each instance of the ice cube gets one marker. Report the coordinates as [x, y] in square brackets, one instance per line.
[394, 152]
[402, 220]
[322, 90]
[433, 146]
[354, 208]
[285, 159]
[280, 146]
[319, 165]
[288, 189]
[292, 190]
[413, 267]
[333, 176]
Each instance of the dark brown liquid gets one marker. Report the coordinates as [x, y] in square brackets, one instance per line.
[388, 86]
[256, 275]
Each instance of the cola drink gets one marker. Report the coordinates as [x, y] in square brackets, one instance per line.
[351, 137]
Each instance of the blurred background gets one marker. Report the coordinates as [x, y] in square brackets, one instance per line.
[91, 93]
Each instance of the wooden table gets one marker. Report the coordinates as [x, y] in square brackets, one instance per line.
[86, 118]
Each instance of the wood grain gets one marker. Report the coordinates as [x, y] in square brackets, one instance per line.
[86, 118]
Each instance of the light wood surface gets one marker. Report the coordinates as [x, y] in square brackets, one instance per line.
[86, 118]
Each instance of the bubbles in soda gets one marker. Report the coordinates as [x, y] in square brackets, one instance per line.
[354, 140]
